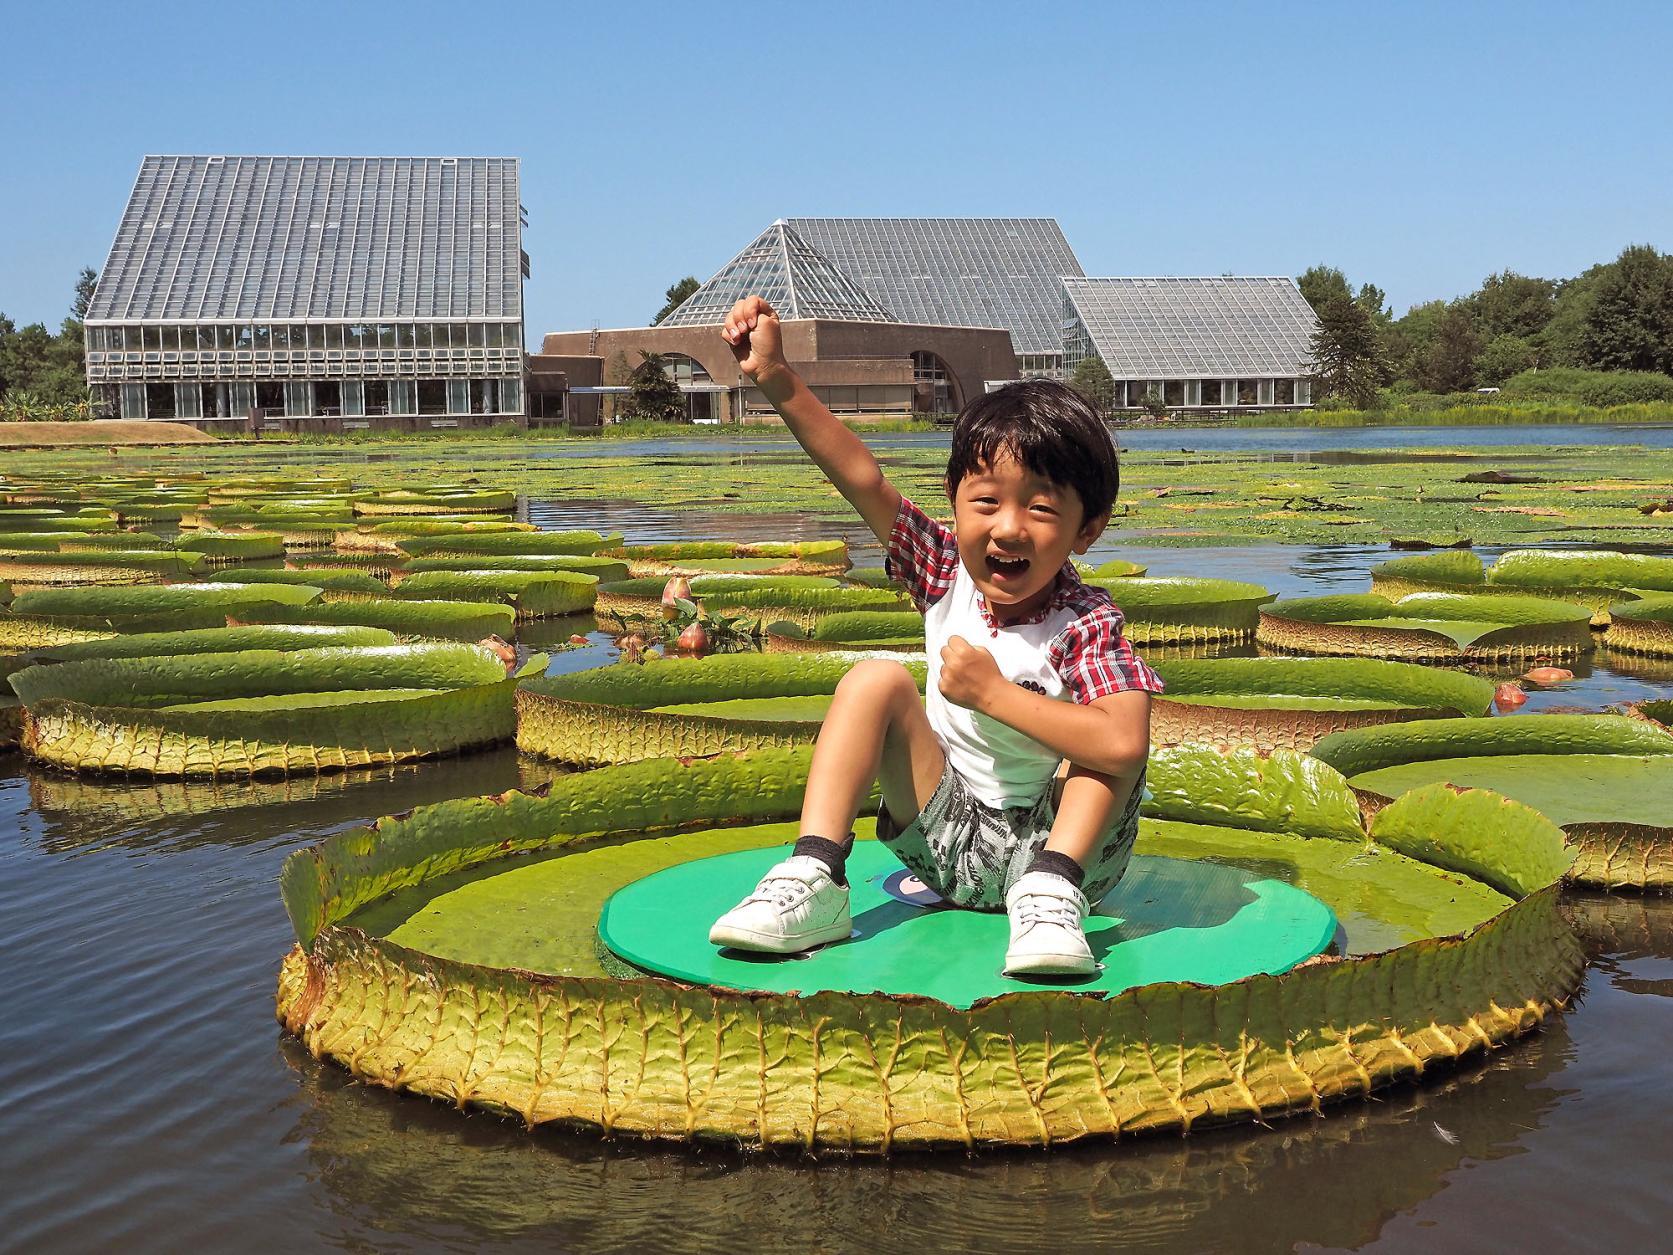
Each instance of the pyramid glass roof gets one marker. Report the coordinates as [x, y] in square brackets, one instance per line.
[956, 272]
[780, 267]
[1177, 328]
[225, 237]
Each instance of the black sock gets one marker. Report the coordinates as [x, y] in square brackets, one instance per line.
[834, 854]
[1055, 864]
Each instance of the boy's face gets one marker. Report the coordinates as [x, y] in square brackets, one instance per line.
[1015, 531]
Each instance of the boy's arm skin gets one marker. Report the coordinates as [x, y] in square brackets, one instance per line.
[751, 330]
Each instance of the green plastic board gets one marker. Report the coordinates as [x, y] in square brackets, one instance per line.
[1168, 920]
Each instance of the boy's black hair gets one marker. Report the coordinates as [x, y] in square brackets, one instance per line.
[1049, 429]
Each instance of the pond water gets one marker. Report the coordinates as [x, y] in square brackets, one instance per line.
[1299, 442]
[151, 1102]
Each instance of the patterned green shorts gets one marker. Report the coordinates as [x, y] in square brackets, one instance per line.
[971, 853]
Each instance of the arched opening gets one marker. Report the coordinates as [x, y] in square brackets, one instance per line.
[937, 389]
[701, 392]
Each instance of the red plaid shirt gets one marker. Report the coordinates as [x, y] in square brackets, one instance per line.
[1091, 655]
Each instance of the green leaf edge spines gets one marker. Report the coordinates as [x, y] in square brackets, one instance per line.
[1535, 627]
[1426, 693]
[1609, 855]
[71, 721]
[866, 1073]
[604, 716]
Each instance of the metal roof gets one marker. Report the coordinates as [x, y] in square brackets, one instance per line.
[1191, 328]
[956, 272]
[781, 268]
[273, 238]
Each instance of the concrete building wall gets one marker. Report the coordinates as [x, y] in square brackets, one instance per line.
[875, 358]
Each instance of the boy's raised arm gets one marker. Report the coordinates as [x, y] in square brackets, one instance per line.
[751, 330]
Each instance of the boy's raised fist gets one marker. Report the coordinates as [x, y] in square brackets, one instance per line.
[751, 332]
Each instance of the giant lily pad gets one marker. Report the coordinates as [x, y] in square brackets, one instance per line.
[386, 537]
[59, 616]
[407, 932]
[1428, 627]
[1179, 610]
[1289, 703]
[410, 620]
[532, 594]
[221, 548]
[812, 557]
[472, 544]
[1606, 780]
[111, 566]
[896, 631]
[1642, 627]
[464, 501]
[605, 569]
[265, 711]
[630, 711]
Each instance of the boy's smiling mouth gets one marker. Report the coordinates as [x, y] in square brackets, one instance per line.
[1004, 568]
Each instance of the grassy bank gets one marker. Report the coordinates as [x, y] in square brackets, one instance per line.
[114, 432]
[1473, 413]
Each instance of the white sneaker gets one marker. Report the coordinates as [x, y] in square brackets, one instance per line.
[1047, 938]
[795, 907]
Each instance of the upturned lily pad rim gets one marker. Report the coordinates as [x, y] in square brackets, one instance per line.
[1411, 684]
[1141, 592]
[1366, 749]
[1511, 610]
[722, 677]
[324, 884]
[686, 1062]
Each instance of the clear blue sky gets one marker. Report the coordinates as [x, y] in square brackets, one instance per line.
[1420, 146]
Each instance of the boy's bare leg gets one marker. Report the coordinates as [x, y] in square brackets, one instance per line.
[876, 730]
[1086, 802]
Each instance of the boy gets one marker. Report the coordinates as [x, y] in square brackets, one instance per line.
[1014, 783]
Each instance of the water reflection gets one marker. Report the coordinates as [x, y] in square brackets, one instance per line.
[1334, 1181]
[78, 814]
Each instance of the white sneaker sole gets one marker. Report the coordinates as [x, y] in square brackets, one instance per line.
[1051, 965]
[771, 943]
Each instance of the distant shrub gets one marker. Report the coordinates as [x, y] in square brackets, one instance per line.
[1591, 387]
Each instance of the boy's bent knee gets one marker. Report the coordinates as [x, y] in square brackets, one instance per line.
[878, 677]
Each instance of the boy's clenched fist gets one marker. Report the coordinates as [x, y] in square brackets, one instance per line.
[751, 331]
[968, 673]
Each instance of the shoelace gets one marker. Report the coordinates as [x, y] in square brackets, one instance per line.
[783, 892]
[1041, 908]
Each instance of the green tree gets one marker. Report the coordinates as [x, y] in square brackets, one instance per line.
[1449, 361]
[1347, 353]
[655, 397]
[1405, 341]
[1560, 343]
[1629, 323]
[8, 329]
[87, 282]
[1092, 379]
[1322, 284]
[1509, 304]
[675, 296]
[1503, 357]
[51, 369]
[26, 360]
[1374, 301]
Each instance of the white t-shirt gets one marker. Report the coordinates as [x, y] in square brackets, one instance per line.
[1073, 650]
